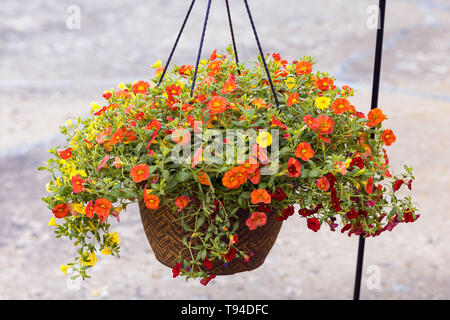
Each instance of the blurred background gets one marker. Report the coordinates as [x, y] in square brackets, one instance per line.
[58, 56]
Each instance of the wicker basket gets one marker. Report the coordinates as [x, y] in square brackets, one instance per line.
[165, 237]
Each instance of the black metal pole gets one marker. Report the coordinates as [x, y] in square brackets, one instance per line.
[374, 104]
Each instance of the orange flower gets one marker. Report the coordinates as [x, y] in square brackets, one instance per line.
[173, 90]
[304, 151]
[202, 178]
[61, 210]
[77, 184]
[324, 124]
[65, 154]
[323, 184]
[310, 121]
[230, 180]
[260, 195]
[181, 136]
[294, 168]
[151, 201]
[293, 98]
[375, 117]
[181, 202]
[185, 70]
[102, 207]
[303, 67]
[217, 105]
[388, 137]
[117, 136]
[229, 85]
[257, 219]
[214, 68]
[340, 106]
[140, 87]
[241, 174]
[254, 176]
[324, 83]
[140, 172]
[259, 103]
[278, 123]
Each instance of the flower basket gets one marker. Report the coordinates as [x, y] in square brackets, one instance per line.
[217, 168]
[165, 236]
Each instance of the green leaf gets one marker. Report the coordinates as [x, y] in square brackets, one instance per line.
[182, 176]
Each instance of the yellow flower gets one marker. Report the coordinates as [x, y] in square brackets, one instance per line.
[90, 260]
[47, 187]
[78, 207]
[69, 123]
[264, 139]
[52, 222]
[115, 239]
[323, 102]
[95, 106]
[347, 162]
[290, 82]
[64, 268]
[106, 251]
[204, 61]
[157, 64]
[180, 84]
[122, 85]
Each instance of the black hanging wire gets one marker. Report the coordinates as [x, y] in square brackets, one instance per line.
[261, 53]
[374, 104]
[176, 42]
[201, 47]
[232, 36]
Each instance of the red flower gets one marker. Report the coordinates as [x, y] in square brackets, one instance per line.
[352, 214]
[398, 184]
[357, 161]
[279, 194]
[254, 176]
[286, 213]
[140, 172]
[278, 123]
[61, 210]
[313, 224]
[230, 255]
[206, 280]
[181, 136]
[65, 154]
[77, 184]
[176, 270]
[207, 263]
[294, 168]
[140, 87]
[90, 210]
[310, 121]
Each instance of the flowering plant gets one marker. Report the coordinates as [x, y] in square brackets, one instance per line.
[321, 153]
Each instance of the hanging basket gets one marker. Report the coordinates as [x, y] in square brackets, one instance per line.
[165, 236]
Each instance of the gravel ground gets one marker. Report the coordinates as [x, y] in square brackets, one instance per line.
[49, 73]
